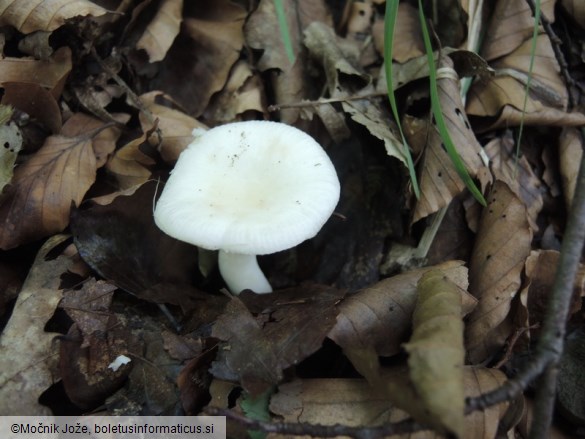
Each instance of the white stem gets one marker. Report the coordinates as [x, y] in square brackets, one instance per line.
[242, 272]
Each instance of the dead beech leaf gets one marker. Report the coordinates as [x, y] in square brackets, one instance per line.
[570, 152]
[243, 92]
[198, 63]
[517, 174]
[408, 44]
[354, 402]
[501, 248]
[50, 74]
[508, 85]
[38, 201]
[541, 267]
[36, 101]
[288, 327]
[28, 352]
[47, 15]
[379, 317]
[162, 30]
[511, 24]
[439, 181]
[130, 165]
[436, 354]
[262, 32]
[175, 126]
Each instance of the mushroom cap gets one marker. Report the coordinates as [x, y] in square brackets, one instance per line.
[252, 187]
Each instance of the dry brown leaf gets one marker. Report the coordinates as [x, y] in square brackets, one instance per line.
[263, 33]
[199, 61]
[353, 402]
[570, 153]
[502, 246]
[507, 87]
[436, 354]
[50, 74]
[517, 174]
[379, 317]
[243, 92]
[28, 352]
[175, 126]
[408, 42]
[46, 15]
[129, 164]
[439, 181]
[288, 328]
[511, 24]
[541, 267]
[38, 202]
[36, 101]
[162, 30]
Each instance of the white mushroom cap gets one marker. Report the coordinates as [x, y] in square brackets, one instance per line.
[249, 187]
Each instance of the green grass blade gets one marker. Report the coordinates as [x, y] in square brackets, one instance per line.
[389, 24]
[284, 31]
[438, 114]
[528, 81]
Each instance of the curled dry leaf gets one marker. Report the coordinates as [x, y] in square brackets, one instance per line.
[162, 30]
[38, 202]
[379, 317]
[28, 352]
[46, 15]
[129, 165]
[175, 126]
[436, 354]
[501, 248]
[439, 181]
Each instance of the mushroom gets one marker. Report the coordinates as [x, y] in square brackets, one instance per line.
[246, 189]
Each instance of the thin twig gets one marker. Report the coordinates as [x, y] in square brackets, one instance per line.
[316, 430]
[323, 101]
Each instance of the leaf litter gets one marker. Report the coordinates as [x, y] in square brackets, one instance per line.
[105, 98]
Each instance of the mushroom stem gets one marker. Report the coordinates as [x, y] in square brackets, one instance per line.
[241, 272]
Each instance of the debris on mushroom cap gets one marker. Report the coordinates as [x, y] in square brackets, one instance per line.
[253, 187]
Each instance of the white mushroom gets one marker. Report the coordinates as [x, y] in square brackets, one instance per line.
[247, 189]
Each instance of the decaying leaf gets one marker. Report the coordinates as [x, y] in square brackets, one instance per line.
[28, 352]
[439, 181]
[576, 10]
[10, 145]
[436, 353]
[287, 329]
[129, 165]
[36, 101]
[38, 201]
[379, 317]
[32, 15]
[408, 42]
[502, 246]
